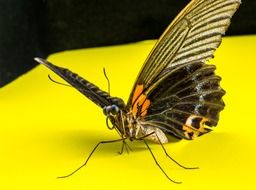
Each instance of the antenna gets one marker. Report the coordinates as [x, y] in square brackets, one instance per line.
[58, 82]
[105, 74]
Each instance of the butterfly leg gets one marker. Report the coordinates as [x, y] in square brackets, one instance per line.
[153, 156]
[93, 150]
[158, 163]
[166, 153]
[126, 147]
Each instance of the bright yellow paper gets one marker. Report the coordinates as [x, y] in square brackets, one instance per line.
[48, 130]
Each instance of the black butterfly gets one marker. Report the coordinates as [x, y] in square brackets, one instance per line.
[176, 92]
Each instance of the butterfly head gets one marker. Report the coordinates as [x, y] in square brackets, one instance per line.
[111, 110]
[116, 104]
[118, 116]
[113, 113]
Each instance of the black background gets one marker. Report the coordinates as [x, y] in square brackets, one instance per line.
[30, 28]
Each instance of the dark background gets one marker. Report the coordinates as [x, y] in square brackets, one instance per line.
[30, 28]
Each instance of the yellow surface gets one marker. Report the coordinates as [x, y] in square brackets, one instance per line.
[48, 130]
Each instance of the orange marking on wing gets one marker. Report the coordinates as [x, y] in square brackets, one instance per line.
[145, 107]
[194, 132]
[141, 100]
[143, 103]
[138, 103]
[138, 90]
[134, 109]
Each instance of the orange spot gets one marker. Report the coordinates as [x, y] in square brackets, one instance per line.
[145, 107]
[134, 110]
[140, 102]
[194, 132]
[137, 92]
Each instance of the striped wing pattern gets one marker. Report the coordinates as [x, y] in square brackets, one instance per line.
[193, 36]
[181, 107]
[183, 90]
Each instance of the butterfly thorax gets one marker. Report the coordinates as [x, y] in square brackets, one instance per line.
[130, 126]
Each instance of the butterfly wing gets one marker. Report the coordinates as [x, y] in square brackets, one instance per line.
[175, 90]
[181, 106]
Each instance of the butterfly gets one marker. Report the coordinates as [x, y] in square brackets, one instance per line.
[176, 92]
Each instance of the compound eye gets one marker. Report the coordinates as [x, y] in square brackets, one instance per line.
[107, 110]
[114, 109]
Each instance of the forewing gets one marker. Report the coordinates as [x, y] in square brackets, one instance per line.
[192, 37]
[176, 91]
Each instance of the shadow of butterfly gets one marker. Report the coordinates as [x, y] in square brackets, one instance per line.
[176, 93]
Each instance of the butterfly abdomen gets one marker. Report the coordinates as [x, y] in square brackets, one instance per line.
[94, 91]
[90, 90]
